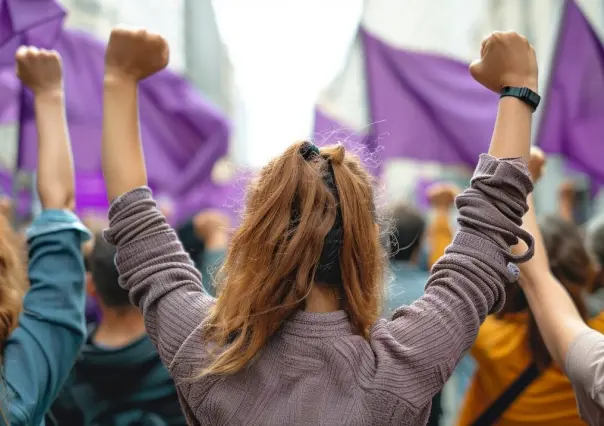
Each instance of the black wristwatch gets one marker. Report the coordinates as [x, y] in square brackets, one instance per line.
[525, 94]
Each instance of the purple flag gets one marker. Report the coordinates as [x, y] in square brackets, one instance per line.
[425, 106]
[573, 119]
[36, 22]
[182, 135]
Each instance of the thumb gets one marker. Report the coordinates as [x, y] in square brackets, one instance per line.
[475, 69]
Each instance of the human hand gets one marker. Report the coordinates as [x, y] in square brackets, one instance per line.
[212, 227]
[135, 54]
[442, 195]
[40, 69]
[506, 59]
[536, 164]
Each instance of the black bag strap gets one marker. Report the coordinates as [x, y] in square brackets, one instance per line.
[502, 403]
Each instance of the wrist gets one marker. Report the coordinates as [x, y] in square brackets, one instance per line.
[50, 94]
[531, 83]
[117, 78]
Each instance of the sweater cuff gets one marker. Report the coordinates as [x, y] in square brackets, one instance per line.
[53, 220]
[127, 199]
[515, 168]
[122, 209]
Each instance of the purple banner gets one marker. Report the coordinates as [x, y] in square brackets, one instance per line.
[426, 107]
[328, 131]
[572, 123]
[36, 22]
[183, 135]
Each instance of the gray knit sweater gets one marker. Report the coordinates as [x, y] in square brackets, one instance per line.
[315, 371]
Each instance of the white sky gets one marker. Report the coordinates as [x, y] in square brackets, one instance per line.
[284, 53]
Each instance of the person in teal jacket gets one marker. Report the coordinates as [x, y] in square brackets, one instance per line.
[43, 343]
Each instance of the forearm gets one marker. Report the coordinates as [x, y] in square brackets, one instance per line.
[55, 168]
[440, 234]
[565, 211]
[512, 133]
[122, 154]
[558, 319]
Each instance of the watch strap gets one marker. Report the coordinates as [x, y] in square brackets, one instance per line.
[525, 94]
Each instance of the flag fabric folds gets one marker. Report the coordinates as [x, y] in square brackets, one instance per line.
[572, 123]
[426, 106]
[36, 22]
[183, 135]
[418, 100]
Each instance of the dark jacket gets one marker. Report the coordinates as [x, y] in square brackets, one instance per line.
[118, 386]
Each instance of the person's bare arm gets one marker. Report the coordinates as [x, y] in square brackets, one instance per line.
[55, 170]
[152, 263]
[566, 200]
[504, 63]
[574, 346]
[122, 153]
[559, 320]
[439, 232]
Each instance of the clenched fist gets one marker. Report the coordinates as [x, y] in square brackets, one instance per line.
[506, 59]
[39, 69]
[536, 164]
[135, 54]
[442, 195]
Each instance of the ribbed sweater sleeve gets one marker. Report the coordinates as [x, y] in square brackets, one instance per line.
[158, 273]
[418, 350]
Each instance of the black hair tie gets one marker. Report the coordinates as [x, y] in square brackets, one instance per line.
[329, 270]
[308, 150]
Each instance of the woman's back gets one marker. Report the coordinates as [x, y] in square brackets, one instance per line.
[317, 368]
[502, 354]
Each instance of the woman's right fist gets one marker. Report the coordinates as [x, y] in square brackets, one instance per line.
[135, 54]
[39, 69]
[506, 59]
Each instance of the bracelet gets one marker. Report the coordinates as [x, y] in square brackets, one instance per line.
[525, 94]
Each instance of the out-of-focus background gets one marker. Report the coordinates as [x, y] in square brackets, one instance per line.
[387, 76]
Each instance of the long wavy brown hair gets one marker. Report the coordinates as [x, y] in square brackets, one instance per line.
[270, 267]
[13, 279]
[570, 263]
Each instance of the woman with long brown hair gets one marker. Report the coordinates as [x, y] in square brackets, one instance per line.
[293, 336]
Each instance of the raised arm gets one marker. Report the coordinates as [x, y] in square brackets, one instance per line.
[153, 266]
[572, 344]
[467, 283]
[440, 233]
[39, 354]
